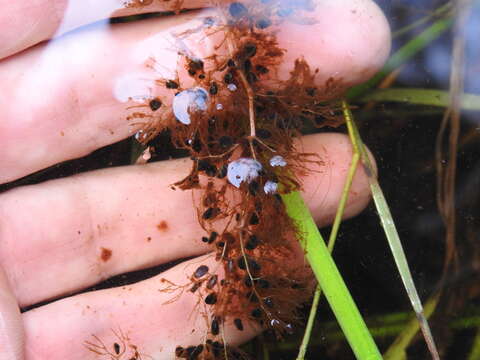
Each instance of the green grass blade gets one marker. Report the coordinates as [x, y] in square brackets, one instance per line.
[311, 320]
[422, 97]
[391, 232]
[330, 280]
[439, 12]
[397, 350]
[402, 55]
[475, 350]
[386, 326]
[331, 243]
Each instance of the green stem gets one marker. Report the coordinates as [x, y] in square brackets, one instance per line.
[330, 280]
[331, 243]
[390, 231]
[391, 325]
[475, 350]
[421, 97]
[402, 55]
[439, 12]
[311, 320]
[397, 350]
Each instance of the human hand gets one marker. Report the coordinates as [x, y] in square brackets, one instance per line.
[62, 100]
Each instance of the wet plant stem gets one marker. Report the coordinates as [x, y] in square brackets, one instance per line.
[418, 96]
[246, 85]
[247, 265]
[475, 350]
[397, 351]
[250, 96]
[402, 55]
[330, 280]
[439, 12]
[311, 320]
[331, 243]
[251, 110]
[390, 231]
[386, 326]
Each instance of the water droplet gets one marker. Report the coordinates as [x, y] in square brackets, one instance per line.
[139, 135]
[274, 323]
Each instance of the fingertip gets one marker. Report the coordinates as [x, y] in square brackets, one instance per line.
[154, 316]
[349, 41]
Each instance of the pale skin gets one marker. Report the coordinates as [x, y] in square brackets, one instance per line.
[52, 234]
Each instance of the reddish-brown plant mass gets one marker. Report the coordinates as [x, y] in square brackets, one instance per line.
[238, 124]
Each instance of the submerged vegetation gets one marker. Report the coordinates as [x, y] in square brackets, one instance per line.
[238, 123]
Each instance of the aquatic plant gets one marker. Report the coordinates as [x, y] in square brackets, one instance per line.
[238, 122]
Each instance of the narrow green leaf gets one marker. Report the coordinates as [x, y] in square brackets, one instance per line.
[331, 243]
[402, 55]
[398, 349]
[475, 350]
[390, 231]
[421, 97]
[439, 12]
[330, 280]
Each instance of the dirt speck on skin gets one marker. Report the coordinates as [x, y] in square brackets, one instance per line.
[106, 254]
[162, 225]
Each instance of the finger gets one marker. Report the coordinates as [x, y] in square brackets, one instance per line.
[89, 73]
[118, 220]
[11, 326]
[26, 23]
[153, 319]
